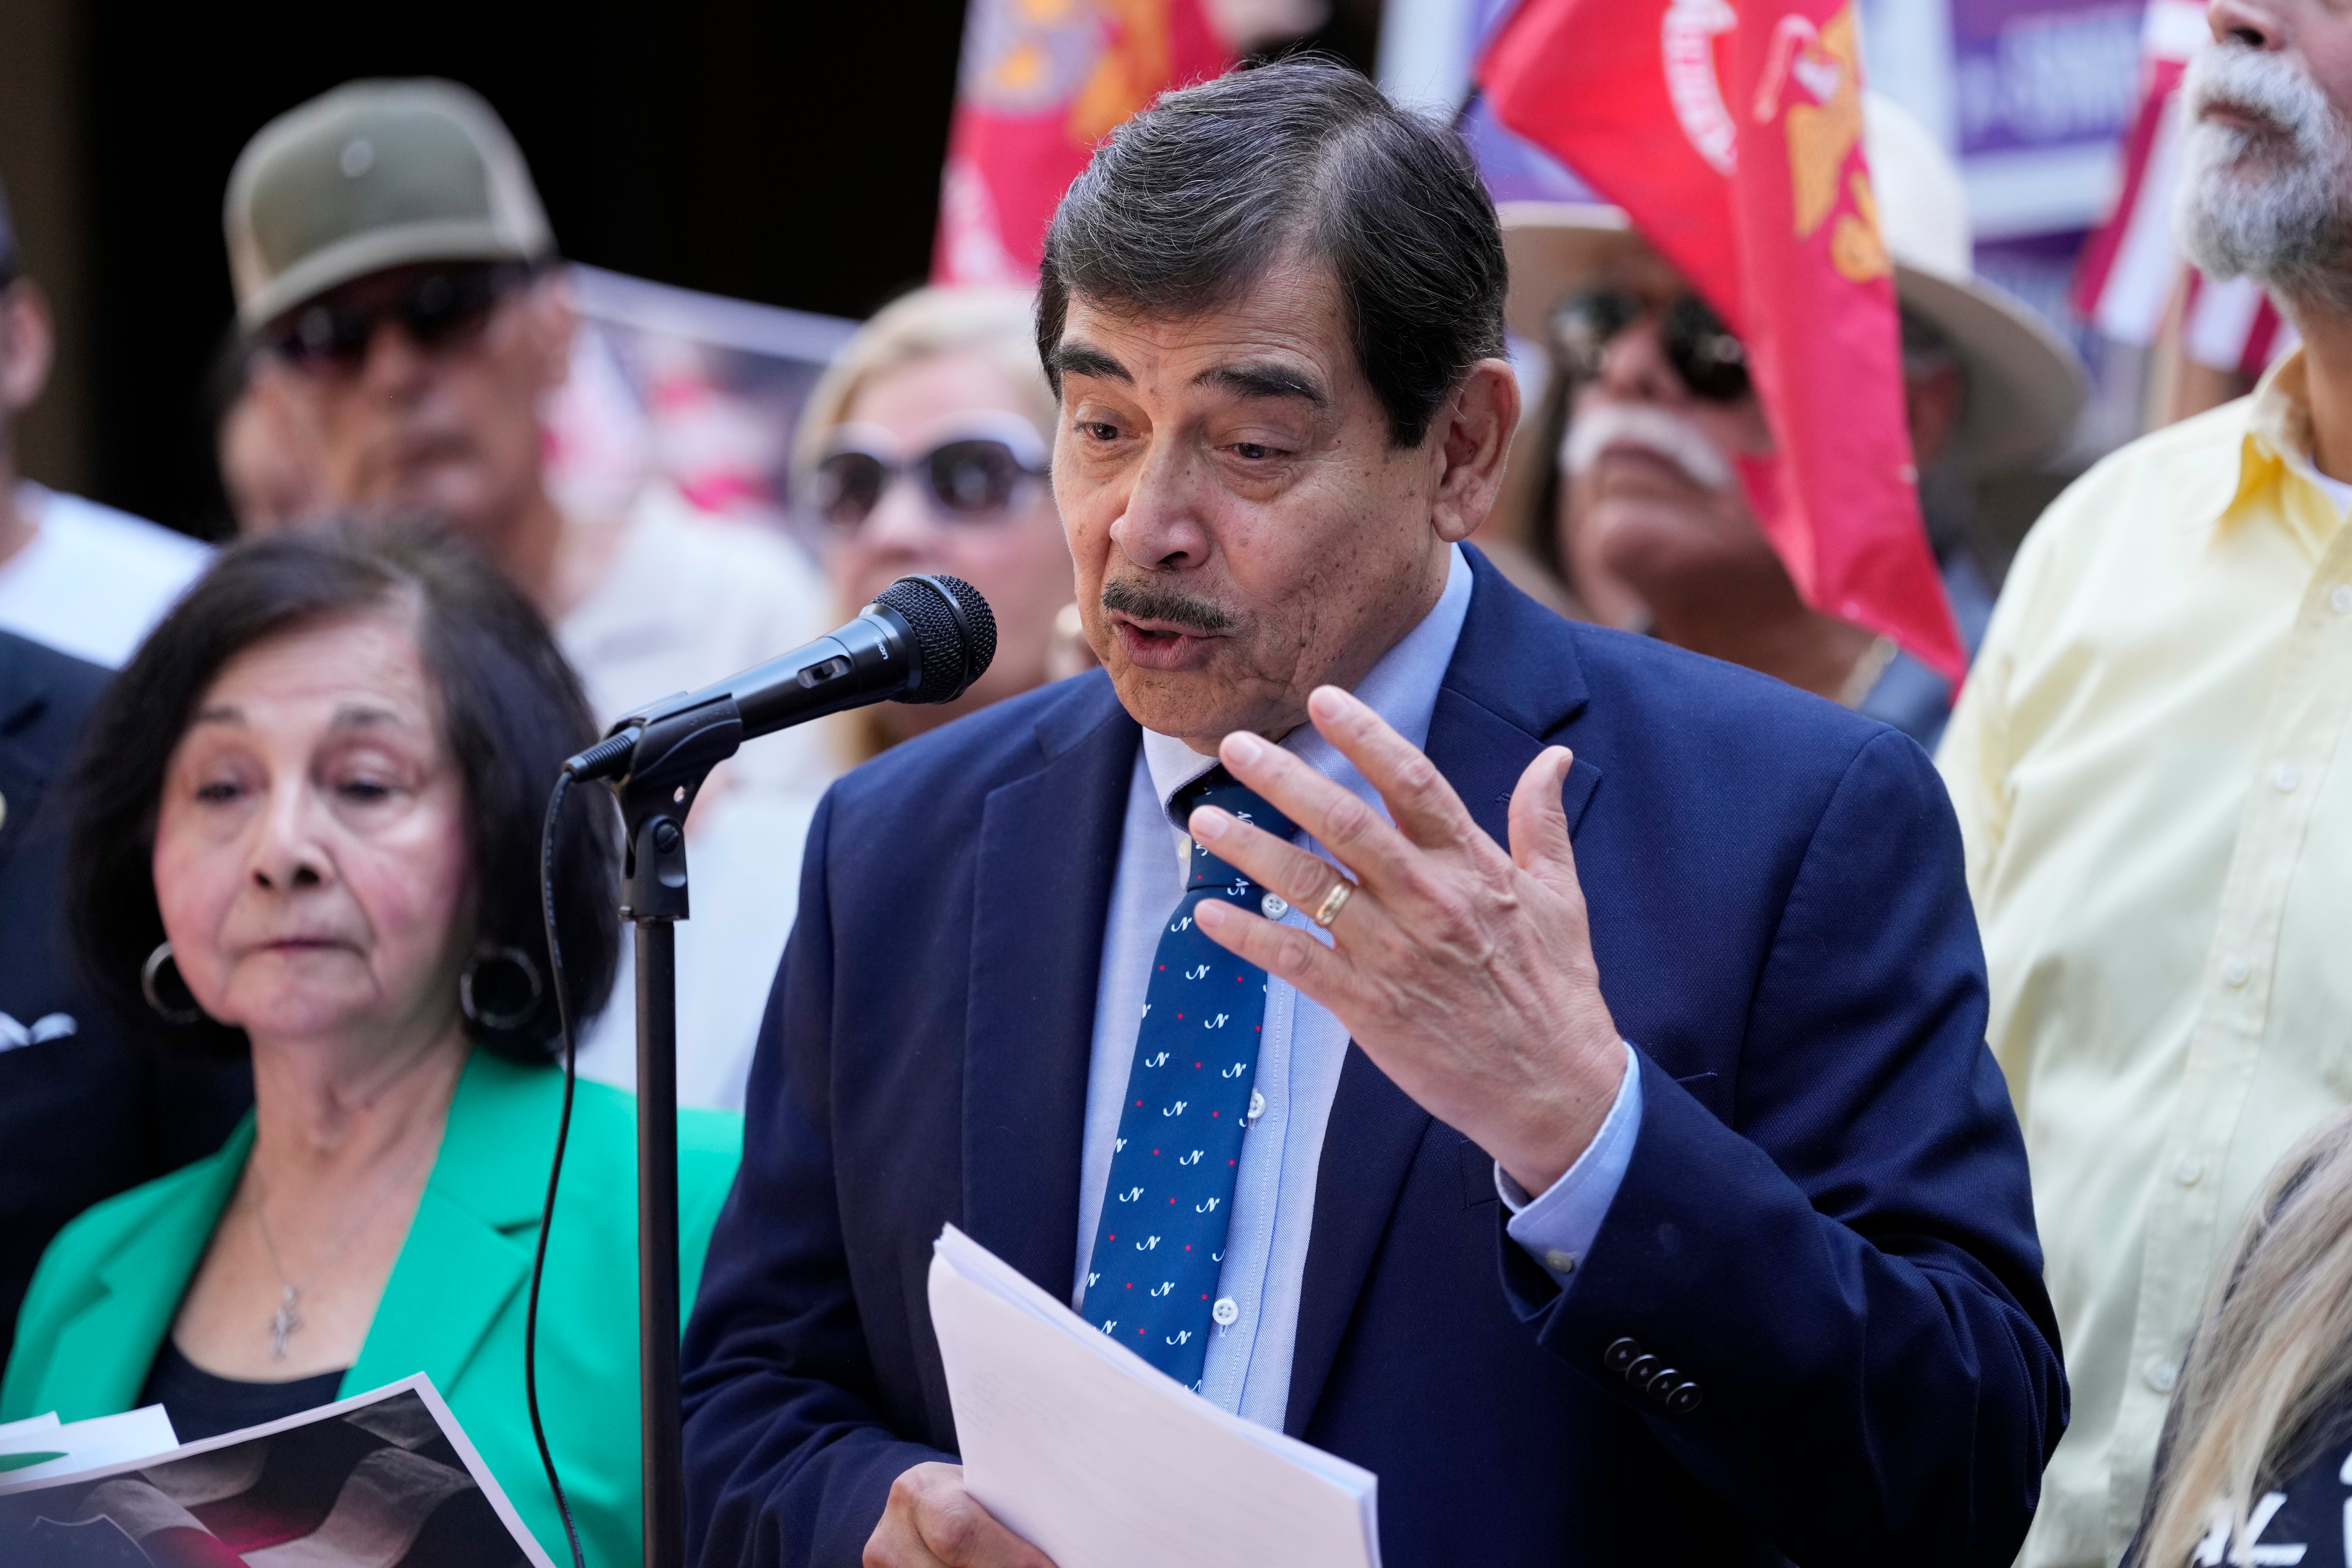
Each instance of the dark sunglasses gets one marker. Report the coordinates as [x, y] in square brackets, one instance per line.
[968, 478]
[1704, 354]
[437, 309]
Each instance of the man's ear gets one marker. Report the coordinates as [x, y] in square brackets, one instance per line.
[1470, 447]
[28, 343]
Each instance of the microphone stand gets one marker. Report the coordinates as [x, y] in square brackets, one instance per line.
[674, 755]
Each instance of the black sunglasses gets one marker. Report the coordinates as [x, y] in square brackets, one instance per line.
[437, 309]
[968, 479]
[1704, 354]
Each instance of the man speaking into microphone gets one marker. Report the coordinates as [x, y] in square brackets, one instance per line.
[1615, 1165]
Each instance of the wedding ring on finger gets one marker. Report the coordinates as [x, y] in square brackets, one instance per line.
[1333, 903]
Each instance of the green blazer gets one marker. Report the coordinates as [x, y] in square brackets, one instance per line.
[111, 1284]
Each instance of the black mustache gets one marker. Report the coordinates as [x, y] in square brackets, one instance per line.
[1150, 602]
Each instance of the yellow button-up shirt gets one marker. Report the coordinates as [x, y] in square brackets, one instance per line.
[2160, 849]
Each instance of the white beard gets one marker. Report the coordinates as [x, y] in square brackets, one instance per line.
[2275, 205]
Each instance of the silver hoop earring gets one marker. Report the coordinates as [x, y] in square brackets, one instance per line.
[150, 974]
[499, 989]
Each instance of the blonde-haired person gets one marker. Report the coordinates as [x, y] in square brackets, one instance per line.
[2256, 1465]
[924, 449]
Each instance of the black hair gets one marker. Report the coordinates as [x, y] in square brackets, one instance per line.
[511, 709]
[1192, 200]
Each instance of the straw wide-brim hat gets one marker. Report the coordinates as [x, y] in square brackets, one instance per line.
[2026, 387]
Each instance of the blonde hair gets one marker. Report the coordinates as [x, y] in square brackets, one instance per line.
[2273, 1351]
[995, 325]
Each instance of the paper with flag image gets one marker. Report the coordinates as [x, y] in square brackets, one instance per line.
[385, 1479]
[1042, 83]
[1731, 131]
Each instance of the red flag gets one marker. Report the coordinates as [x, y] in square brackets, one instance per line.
[1731, 135]
[1042, 83]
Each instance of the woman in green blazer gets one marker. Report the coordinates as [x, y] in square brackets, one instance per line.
[319, 784]
[111, 1283]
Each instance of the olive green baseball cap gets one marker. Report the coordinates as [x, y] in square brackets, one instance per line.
[371, 176]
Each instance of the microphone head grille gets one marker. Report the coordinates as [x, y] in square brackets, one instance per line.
[954, 631]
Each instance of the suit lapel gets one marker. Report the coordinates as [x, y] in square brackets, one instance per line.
[468, 1248]
[104, 1353]
[1049, 855]
[1483, 734]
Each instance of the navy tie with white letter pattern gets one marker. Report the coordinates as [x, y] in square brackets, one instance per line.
[1162, 1233]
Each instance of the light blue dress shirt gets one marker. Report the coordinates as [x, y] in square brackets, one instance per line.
[1300, 1055]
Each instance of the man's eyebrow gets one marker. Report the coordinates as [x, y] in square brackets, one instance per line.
[1265, 381]
[221, 715]
[1077, 359]
[351, 716]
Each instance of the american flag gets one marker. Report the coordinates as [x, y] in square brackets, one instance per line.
[377, 1486]
[2132, 271]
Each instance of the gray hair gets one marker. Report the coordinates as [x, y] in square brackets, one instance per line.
[1192, 200]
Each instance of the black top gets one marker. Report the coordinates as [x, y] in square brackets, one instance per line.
[85, 1110]
[2305, 1519]
[203, 1406]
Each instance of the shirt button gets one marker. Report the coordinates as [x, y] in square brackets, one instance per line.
[2161, 1375]
[1274, 905]
[1560, 1262]
[2234, 971]
[1227, 1312]
[2284, 778]
[1257, 1105]
[2339, 599]
[2188, 1170]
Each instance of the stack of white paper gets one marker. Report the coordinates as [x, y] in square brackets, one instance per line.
[41, 1446]
[1100, 1461]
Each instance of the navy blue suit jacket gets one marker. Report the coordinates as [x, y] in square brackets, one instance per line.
[1826, 1223]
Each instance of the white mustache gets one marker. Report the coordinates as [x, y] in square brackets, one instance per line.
[1595, 429]
[2268, 86]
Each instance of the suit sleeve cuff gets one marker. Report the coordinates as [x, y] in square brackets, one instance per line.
[1555, 1228]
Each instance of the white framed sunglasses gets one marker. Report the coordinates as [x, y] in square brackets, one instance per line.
[973, 475]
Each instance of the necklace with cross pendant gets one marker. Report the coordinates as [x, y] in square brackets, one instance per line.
[285, 1321]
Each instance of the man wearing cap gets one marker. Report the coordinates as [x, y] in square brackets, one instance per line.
[78, 576]
[1654, 528]
[393, 262]
[2152, 773]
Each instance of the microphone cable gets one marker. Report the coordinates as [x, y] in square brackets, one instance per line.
[555, 1167]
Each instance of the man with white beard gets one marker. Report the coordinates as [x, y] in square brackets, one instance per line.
[2159, 842]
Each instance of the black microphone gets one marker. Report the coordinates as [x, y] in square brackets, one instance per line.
[923, 640]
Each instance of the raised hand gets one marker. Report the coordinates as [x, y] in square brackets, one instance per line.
[1464, 972]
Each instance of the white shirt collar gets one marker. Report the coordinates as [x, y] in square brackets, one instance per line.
[1401, 688]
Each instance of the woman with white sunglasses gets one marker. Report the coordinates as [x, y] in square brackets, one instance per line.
[925, 449]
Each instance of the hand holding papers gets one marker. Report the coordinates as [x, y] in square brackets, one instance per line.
[1077, 1446]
